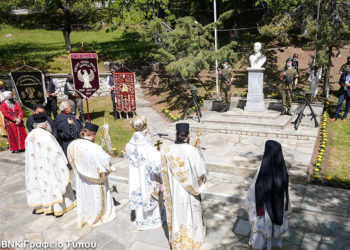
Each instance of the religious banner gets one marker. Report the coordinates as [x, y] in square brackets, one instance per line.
[85, 72]
[125, 91]
[30, 88]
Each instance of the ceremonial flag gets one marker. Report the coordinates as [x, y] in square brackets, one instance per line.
[85, 72]
[30, 88]
[125, 91]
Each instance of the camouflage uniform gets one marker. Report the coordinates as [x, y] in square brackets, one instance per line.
[225, 87]
[287, 86]
[344, 67]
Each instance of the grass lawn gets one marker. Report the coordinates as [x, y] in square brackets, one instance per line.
[338, 148]
[119, 130]
[45, 49]
[100, 107]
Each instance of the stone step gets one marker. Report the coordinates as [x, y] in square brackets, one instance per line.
[304, 132]
[254, 122]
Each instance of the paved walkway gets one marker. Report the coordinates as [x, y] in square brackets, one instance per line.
[320, 217]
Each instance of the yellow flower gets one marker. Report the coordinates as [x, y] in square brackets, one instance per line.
[7, 143]
[114, 149]
[317, 169]
[318, 164]
[316, 176]
[122, 152]
[329, 178]
[342, 179]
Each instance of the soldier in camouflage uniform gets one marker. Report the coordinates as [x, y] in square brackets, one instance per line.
[289, 77]
[226, 79]
[345, 66]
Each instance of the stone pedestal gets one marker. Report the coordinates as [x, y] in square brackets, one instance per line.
[255, 98]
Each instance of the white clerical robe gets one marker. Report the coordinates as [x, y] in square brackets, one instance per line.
[184, 173]
[144, 160]
[263, 232]
[47, 176]
[91, 165]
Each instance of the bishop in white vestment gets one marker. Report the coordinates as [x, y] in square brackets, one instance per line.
[47, 176]
[91, 165]
[144, 160]
[184, 173]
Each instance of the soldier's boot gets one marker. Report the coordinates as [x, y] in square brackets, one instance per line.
[228, 106]
[225, 108]
[288, 112]
[284, 111]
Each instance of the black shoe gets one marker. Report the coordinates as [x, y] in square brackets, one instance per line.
[115, 116]
[283, 112]
[15, 152]
[288, 112]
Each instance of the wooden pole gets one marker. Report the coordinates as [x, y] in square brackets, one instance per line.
[87, 99]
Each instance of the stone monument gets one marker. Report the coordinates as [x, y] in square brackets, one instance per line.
[255, 98]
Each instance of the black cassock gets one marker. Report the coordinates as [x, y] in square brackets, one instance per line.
[67, 132]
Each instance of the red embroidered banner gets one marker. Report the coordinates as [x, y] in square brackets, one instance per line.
[85, 72]
[125, 91]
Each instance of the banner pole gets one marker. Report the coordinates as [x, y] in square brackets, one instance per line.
[82, 47]
[87, 109]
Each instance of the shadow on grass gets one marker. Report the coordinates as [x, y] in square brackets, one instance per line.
[14, 55]
[131, 45]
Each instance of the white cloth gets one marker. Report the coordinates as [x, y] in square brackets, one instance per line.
[47, 175]
[263, 232]
[314, 79]
[91, 166]
[5, 94]
[144, 160]
[57, 86]
[184, 173]
[106, 139]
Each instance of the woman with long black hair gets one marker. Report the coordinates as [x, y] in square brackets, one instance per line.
[267, 202]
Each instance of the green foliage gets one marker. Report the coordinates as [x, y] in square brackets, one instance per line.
[281, 6]
[133, 12]
[278, 28]
[189, 48]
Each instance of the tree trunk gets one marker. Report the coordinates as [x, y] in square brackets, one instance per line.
[327, 73]
[66, 35]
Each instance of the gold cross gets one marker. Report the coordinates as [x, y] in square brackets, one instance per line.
[158, 144]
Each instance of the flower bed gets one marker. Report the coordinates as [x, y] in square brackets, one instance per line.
[317, 176]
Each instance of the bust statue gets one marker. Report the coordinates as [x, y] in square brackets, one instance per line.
[257, 59]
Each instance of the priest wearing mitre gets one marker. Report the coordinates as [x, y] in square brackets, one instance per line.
[144, 160]
[91, 165]
[47, 176]
[184, 173]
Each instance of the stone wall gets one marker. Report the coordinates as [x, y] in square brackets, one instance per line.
[61, 79]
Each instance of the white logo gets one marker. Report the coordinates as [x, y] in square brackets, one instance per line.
[86, 78]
